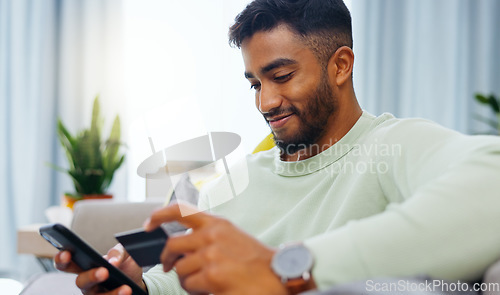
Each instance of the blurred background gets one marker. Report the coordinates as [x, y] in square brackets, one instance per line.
[165, 67]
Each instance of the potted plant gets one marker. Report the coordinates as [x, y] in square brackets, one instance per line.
[92, 161]
[494, 104]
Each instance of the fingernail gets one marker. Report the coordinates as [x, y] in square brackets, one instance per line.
[124, 291]
[113, 260]
[65, 256]
[146, 223]
[100, 274]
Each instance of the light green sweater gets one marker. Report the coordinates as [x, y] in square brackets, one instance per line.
[394, 197]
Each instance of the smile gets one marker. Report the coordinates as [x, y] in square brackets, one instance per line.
[279, 121]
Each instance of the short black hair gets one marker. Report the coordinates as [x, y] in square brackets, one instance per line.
[324, 25]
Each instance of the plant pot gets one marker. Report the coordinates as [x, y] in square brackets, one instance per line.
[69, 201]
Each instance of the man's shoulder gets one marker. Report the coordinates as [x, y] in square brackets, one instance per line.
[387, 121]
[421, 137]
[389, 127]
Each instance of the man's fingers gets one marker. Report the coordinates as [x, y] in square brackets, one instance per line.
[123, 290]
[62, 261]
[185, 214]
[196, 283]
[89, 279]
[179, 245]
[185, 243]
[188, 265]
[97, 290]
[88, 282]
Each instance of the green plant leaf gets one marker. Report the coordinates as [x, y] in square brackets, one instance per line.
[112, 145]
[481, 98]
[92, 161]
[110, 172]
[78, 180]
[96, 122]
[57, 168]
[64, 133]
[491, 100]
[67, 142]
[494, 104]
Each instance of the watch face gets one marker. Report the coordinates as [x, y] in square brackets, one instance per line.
[292, 261]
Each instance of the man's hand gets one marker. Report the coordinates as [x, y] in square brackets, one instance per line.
[218, 257]
[88, 281]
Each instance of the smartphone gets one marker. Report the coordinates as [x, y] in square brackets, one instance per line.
[86, 257]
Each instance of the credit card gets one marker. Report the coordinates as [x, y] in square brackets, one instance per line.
[146, 247]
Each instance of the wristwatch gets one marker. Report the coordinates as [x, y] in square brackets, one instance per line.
[293, 264]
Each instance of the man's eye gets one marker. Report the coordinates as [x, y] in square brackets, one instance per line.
[283, 78]
[255, 86]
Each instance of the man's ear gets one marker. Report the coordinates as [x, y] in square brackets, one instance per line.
[340, 65]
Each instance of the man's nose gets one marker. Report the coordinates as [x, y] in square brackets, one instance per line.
[268, 99]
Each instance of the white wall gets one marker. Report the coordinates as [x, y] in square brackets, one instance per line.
[176, 52]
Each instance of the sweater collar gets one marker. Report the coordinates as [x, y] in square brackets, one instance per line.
[328, 156]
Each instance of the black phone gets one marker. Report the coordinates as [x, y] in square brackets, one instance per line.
[86, 257]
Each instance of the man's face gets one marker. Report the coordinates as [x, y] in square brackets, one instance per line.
[291, 88]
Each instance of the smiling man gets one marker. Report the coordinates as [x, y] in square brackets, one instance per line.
[302, 79]
[303, 104]
[345, 196]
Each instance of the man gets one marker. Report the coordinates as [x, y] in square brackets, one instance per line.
[352, 196]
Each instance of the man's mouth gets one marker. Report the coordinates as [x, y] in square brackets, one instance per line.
[278, 121]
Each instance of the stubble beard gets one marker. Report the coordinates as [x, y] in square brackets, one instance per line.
[313, 120]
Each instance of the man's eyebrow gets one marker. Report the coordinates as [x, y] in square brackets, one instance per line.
[280, 62]
[249, 75]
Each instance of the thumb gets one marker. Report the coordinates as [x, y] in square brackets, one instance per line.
[116, 255]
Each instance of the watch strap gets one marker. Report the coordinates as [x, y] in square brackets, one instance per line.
[299, 285]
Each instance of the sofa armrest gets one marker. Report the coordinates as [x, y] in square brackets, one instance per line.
[96, 221]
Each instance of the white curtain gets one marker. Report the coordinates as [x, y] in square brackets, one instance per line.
[55, 56]
[427, 58]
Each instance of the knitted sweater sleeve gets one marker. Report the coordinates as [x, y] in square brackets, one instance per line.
[445, 227]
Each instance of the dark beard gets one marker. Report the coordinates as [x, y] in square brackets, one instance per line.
[320, 106]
